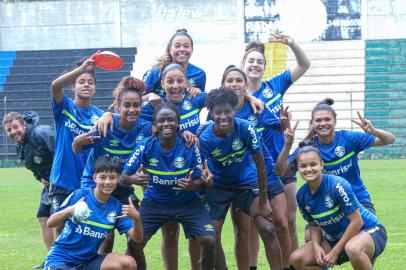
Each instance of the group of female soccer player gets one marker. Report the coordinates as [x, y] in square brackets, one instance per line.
[193, 174]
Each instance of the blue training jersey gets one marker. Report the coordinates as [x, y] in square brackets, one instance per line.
[271, 93]
[118, 144]
[79, 242]
[70, 121]
[230, 158]
[341, 158]
[189, 109]
[196, 78]
[165, 168]
[266, 119]
[330, 206]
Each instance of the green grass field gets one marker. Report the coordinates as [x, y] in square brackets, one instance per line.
[21, 244]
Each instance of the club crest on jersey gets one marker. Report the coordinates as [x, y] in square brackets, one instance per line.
[191, 82]
[111, 216]
[94, 118]
[237, 145]
[114, 142]
[307, 208]
[179, 162]
[153, 162]
[139, 138]
[339, 151]
[187, 105]
[37, 159]
[328, 202]
[267, 93]
[253, 120]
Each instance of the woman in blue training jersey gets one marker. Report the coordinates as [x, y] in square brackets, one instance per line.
[327, 202]
[235, 157]
[88, 216]
[236, 80]
[128, 130]
[172, 173]
[72, 118]
[339, 149]
[178, 51]
[272, 92]
[174, 83]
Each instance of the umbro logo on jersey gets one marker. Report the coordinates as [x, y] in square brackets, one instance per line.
[187, 105]
[328, 202]
[216, 152]
[139, 138]
[237, 145]
[153, 162]
[114, 142]
[339, 151]
[179, 162]
[267, 93]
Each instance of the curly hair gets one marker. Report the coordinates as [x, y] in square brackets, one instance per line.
[127, 84]
[221, 96]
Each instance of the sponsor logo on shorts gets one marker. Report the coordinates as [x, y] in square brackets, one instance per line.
[209, 227]
[54, 204]
[339, 151]
[179, 162]
[111, 216]
[37, 159]
[237, 145]
[328, 201]
[267, 93]
[187, 105]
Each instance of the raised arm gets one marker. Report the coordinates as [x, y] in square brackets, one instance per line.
[302, 61]
[57, 85]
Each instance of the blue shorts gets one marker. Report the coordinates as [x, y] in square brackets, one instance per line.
[192, 215]
[93, 264]
[218, 200]
[275, 189]
[378, 235]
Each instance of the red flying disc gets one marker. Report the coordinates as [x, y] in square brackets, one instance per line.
[108, 60]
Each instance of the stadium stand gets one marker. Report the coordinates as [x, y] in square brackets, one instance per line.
[26, 76]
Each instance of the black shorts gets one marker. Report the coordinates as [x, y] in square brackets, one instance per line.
[218, 200]
[369, 206]
[44, 209]
[378, 235]
[291, 178]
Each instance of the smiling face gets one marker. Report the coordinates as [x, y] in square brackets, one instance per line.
[167, 123]
[310, 166]
[254, 65]
[181, 49]
[106, 182]
[174, 84]
[235, 81]
[130, 106]
[84, 87]
[223, 117]
[323, 123]
[15, 130]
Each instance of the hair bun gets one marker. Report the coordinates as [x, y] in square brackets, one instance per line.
[306, 143]
[254, 45]
[131, 82]
[182, 30]
[328, 101]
